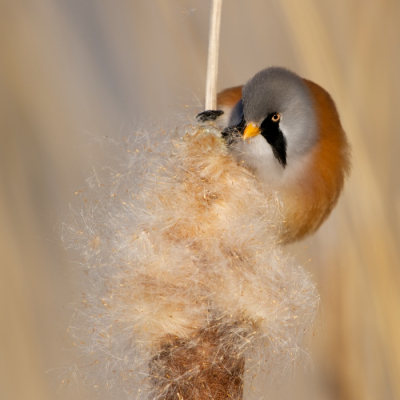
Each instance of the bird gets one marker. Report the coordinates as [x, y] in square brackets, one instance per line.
[286, 130]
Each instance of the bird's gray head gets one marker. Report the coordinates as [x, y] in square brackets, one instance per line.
[278, 107]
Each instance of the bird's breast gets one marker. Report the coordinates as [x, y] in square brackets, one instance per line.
[257, 155]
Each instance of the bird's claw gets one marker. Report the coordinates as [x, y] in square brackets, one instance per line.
[209, 115]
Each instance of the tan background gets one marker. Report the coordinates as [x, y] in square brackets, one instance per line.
[75, 70]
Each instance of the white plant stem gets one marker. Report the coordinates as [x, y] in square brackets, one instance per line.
[212, 63]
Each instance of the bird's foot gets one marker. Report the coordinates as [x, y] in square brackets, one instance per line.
[233, 133]
[209, 115]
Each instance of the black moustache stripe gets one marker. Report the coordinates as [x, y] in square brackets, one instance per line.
[274, 136]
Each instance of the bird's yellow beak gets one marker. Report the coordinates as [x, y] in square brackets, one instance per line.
[251, 131]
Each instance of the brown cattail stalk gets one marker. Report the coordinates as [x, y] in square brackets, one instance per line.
[207, 365]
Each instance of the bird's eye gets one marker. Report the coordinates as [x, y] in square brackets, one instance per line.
[276, 117]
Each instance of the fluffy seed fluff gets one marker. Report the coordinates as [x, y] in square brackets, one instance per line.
[182, 243]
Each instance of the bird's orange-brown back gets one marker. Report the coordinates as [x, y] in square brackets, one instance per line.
[311, 202]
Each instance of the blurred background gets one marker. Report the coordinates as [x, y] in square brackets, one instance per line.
[72, 72]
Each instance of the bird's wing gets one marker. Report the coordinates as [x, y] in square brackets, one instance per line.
[229, 97]
[226, 101]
